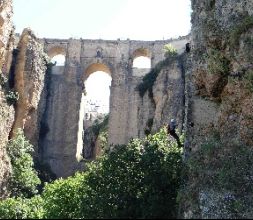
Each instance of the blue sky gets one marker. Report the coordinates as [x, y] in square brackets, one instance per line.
[105, 19]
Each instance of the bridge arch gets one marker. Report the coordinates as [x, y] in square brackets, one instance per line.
[56, 50]
[141, 58]
[94, 105]
[58, 55]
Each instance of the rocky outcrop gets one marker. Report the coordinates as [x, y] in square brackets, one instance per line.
[219, 112]
[30, 69]
[6, 35]
[6, 111]
[165, 100]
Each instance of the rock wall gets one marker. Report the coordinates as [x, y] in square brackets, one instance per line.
[219, 110]
[6, 35]
[6, 111]
[30, 69]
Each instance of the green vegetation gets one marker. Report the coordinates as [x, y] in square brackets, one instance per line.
[24, 179]
[98, 127]
[243, 26]
[21, 208]
[217, 63]
[170, 51]
[12, 97]
[138, 180]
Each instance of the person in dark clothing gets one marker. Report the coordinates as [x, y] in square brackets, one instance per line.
[171, 129]
[187, 47]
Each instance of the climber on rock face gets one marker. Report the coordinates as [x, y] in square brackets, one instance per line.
[171, 129]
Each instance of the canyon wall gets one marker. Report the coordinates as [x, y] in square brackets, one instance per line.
[219, 111]
[6, 110]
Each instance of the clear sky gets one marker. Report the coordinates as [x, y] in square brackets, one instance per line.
[105, 19]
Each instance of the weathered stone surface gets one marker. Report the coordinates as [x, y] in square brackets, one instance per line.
[219, 101]
[30, 71]
[6, 111]
[6, 35]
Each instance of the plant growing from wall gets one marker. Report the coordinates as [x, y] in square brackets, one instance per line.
[169, 50]
[12, 97]
[24, 179]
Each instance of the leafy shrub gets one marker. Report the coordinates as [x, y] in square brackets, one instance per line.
[12, 97]
[22, 208]
[24, 179]
[62, 199]
[170, 51]
[138, 180]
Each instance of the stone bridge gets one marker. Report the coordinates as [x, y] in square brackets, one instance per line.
[60, 144]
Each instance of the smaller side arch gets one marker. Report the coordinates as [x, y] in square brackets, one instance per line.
[144, 52]
[57, 54]
[141, 58]
[53, 51]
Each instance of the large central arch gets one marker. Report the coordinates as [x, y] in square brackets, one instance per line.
[84, 113]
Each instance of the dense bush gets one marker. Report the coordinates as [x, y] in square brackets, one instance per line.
[21, 208]
[138, 180]
[12, 97]
[24, 179]
[62, 199]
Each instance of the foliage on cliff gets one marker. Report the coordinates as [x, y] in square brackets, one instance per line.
[24, 179]
[138, 180]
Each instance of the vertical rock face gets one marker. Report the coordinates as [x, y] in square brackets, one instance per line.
[6, 111]
[220, 109]
[166, 101]
[6, 34]
[30, 69]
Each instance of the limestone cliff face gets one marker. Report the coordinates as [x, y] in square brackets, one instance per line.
[30, 69]
[166, 101]
[6, 34]
[6, 111]
[219, 114]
